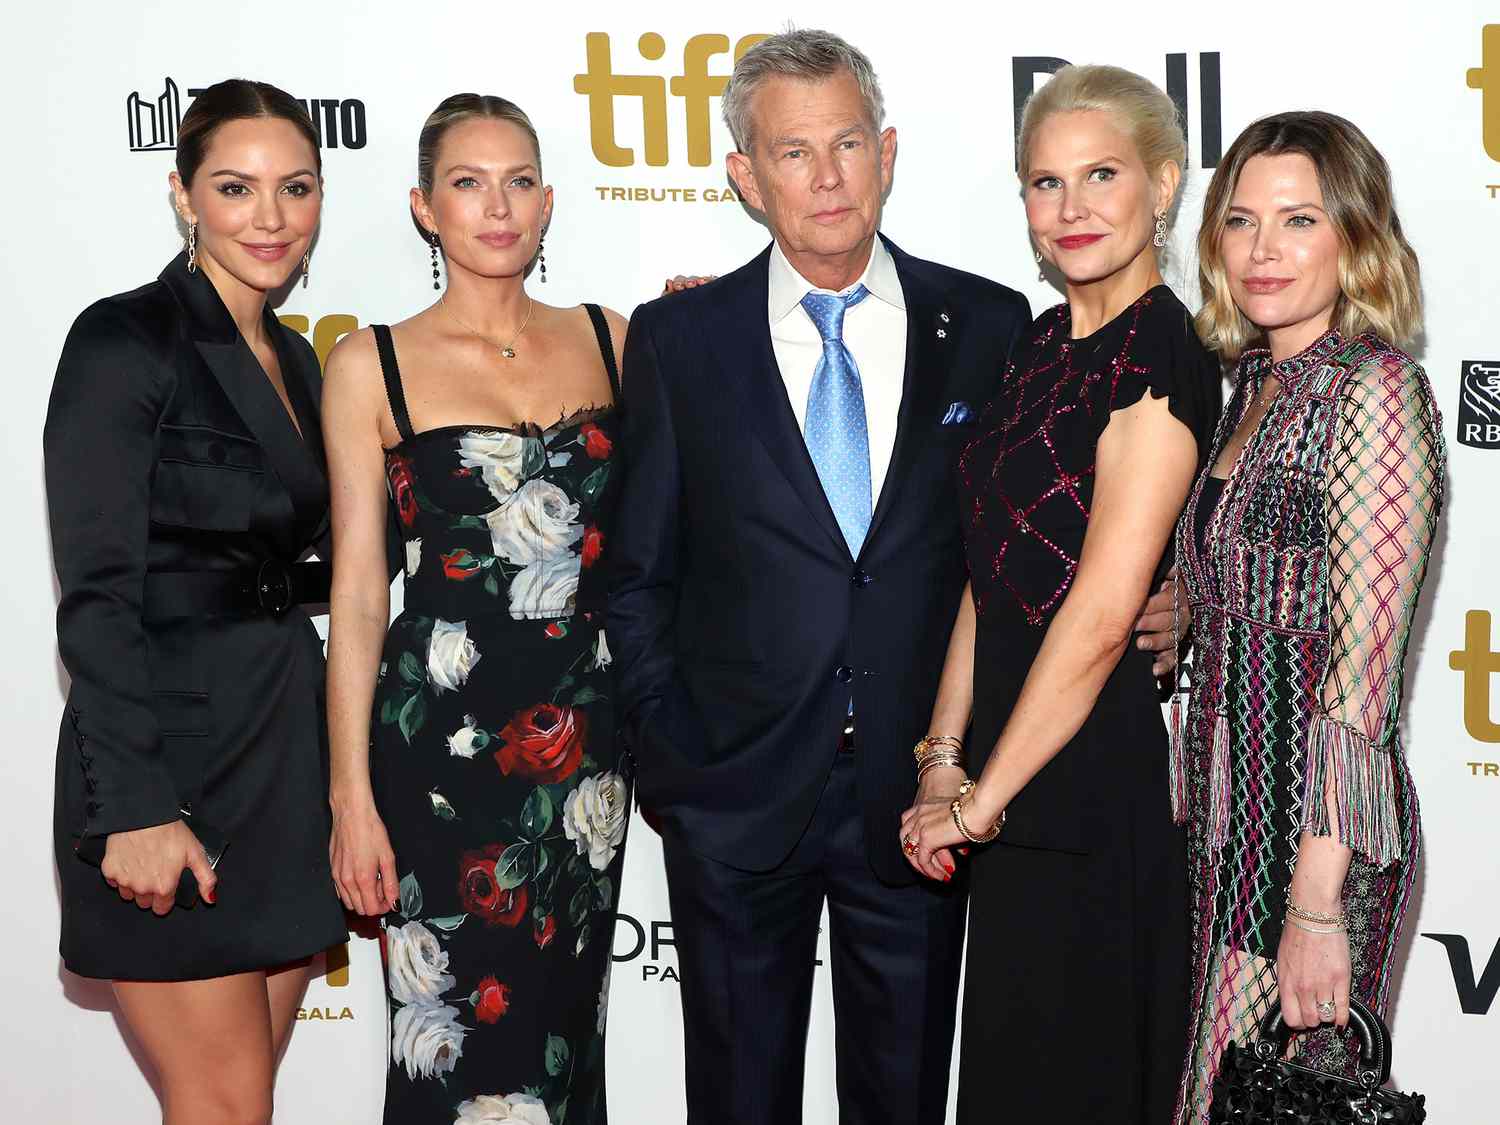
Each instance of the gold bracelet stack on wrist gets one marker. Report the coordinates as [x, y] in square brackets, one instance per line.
[935, 750]
[1311, 921]
[958, 816]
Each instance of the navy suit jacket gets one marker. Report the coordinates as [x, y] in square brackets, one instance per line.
[738, 620]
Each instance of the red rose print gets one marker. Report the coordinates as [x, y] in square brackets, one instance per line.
[460, 565]
[482, 896]
[543, 743]
[556, 630]
[493, 1002]
[398, 472]
[593, 543]
[543, 931]
[596, 442]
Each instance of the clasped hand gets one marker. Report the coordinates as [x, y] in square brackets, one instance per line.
[146, 864]
[928, 834]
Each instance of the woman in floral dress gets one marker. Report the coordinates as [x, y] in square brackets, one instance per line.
[479, 800]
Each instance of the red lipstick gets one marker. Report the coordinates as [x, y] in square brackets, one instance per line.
[1078, 241]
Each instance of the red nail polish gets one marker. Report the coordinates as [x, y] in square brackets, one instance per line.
[208, 896]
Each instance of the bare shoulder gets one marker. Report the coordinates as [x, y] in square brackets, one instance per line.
[617, 326]
[352, 370]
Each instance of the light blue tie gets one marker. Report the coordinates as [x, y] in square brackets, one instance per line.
[835, 429]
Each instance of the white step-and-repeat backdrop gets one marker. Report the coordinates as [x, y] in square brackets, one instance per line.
[625, 99]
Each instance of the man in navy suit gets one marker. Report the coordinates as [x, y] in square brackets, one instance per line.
[788, 568]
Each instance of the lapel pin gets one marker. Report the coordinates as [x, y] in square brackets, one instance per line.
[943, 317]
[942, 333]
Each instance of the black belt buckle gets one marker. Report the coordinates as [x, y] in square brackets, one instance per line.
[273, 587]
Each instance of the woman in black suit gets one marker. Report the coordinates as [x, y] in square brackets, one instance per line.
[185, 479]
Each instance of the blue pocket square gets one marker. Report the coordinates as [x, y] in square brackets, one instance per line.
[957, 414]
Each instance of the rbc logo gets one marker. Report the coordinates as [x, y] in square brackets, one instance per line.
[695, 86]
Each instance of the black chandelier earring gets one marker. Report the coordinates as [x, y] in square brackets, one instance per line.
[541, 259]
[433, 243]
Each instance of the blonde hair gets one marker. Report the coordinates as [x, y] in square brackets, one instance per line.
[1380, 282]
[1149, 116]
[462, 107]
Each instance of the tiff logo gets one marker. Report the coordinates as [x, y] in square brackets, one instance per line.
[1026, 68]
[1478, 662]
[153, 126]
[1486, 79]
[1474, 997]
[695, 86]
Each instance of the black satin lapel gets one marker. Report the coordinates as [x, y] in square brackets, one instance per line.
[930, 326]
[744, 346]
[248, 389]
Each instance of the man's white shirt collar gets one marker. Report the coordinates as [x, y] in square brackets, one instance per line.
[788, 287]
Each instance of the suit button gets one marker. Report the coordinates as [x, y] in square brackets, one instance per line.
[859, 578]
[843, 673]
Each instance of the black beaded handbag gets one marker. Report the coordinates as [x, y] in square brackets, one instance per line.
[1258, 1086]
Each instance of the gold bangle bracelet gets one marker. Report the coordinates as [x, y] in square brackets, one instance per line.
[1312, 915]
[958, 817]
[927, 742]
[1339, 929]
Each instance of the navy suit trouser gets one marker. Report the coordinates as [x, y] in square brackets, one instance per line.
[747, 944]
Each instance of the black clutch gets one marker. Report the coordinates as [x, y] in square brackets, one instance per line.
[1258, 1086]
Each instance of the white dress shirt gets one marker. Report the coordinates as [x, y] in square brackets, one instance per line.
[874, 333]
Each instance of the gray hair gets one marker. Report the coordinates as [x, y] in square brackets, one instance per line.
[809, 55]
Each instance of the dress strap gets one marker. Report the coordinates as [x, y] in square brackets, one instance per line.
[393, 390]
[606, 347]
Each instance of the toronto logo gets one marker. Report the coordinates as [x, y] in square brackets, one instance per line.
[153, 124]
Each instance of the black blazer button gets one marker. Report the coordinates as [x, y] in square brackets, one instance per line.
[843, 673]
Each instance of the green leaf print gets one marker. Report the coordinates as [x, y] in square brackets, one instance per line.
[557, 1055]
[441, 807]
[605, 890]
[578, 906]
[514, 866]
[594, 483]
[584, 696]
[413, 715]
[533, 457]
[491, 585]
[390, 710]
[411, 668]
[536, 814]
[411, 895]
[449, 923]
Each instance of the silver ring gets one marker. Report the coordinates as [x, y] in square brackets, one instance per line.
[1326, 1011]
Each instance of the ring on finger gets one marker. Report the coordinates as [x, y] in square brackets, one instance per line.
[1327, 1010]
[908, 845]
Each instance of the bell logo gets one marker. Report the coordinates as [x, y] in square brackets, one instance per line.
[1478, 662]
[695, 86]
[1486, 79]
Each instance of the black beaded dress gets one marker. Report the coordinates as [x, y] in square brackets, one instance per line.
[1075, 1001]
[496, 770]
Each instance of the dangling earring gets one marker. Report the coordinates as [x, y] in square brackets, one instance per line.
[434, 244]
[541, 259]
[1041, 274]
[192, 247]
[305, 256]
[1159, 239]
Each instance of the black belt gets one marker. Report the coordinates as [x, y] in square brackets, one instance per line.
[272, 587]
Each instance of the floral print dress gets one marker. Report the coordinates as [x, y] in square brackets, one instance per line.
[496, 769]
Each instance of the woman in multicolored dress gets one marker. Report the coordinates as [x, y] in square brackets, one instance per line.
[1302, 551]
[479, 799]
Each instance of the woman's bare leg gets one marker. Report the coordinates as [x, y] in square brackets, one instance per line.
[211, 1043]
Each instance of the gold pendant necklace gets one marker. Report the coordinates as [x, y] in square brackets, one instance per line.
[509, 350]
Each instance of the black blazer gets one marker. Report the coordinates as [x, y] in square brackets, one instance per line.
[199, 469]
[738, 620]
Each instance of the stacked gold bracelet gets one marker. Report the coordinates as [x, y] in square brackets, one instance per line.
[933, 751]
[1313, 922]
[958, 816]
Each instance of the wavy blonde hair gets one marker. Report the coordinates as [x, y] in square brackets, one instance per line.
[1380, 282]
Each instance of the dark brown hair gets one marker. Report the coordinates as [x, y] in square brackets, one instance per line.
[457, 108]
[233, 100]
[1380, 284]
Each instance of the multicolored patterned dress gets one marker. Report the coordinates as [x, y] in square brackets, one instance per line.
[496, 770]
[1303, 595]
